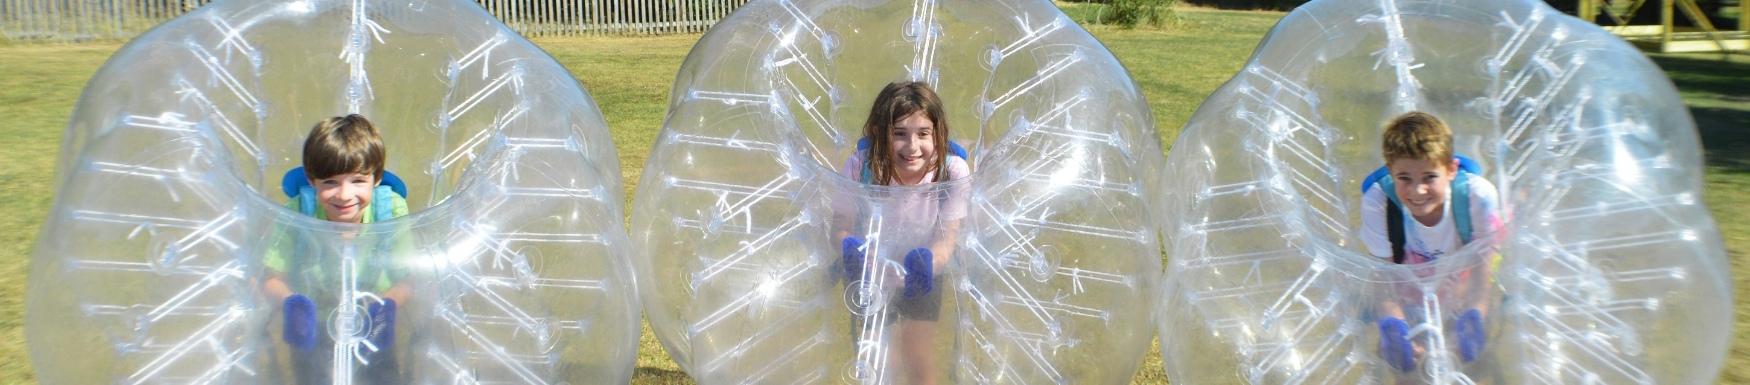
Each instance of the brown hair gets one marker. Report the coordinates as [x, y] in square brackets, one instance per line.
[1418, 136]
[898, 101]
[344, 144]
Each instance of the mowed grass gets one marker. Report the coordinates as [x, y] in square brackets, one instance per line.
[1717, 91]
[630, 78]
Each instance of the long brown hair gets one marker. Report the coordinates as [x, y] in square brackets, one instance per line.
[897, 101]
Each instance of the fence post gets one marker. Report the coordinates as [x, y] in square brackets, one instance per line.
[1665, 16]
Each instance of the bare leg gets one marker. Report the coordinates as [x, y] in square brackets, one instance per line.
[917, 342]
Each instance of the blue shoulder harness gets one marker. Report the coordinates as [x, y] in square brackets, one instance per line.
[868, 176]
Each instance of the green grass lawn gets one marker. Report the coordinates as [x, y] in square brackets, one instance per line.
[630, 78]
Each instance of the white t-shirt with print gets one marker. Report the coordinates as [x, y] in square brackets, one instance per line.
[1429, 243]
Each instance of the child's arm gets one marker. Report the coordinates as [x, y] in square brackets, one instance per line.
[844, 212]
[1388, 307]
[1480, 296]
[1485, 213]
[1486, 227]
[1373, 232]
[402, 255]
[841, 224]
[946, 238]
[954, 210]
[274, 263]
[399, 293]
[275, 288]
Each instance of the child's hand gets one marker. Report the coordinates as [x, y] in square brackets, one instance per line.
[919, 272]
[1394, 344]
[300, 322]
[1471, 335]
[382, 330]
[853, 258]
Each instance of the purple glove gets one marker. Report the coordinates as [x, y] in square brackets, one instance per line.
[1394, 344]
[300, 325]
[1471, 336]
[382, 323]
[919, 272]
[853, 258]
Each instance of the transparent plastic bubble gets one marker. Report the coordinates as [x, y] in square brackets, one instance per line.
[1605, 268]
[743, 211]
[170, 225]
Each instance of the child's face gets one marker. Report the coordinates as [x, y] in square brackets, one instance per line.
[914, 146]
[344, 196]
[1422, 185]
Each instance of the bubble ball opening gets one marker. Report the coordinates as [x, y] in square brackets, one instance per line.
[1592, 157]
[1047, 275]
[506, 258]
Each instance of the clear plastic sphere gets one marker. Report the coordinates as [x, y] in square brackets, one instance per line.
[742, 208]
[154, 265]
[1607, 267]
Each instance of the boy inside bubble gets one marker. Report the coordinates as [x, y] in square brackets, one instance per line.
[338, 295]
[1429, 204]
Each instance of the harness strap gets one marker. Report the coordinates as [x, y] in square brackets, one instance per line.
[307, 201]
[1394, 222]
[868, 175]
[1461, 205]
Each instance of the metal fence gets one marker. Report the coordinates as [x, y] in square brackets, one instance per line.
[86, 20]
[78, 20]
[609, 17]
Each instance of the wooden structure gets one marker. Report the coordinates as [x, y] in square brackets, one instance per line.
[1701, 35]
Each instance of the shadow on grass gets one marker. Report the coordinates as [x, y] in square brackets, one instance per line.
[1725, 136]
[1707, 73]
[1718, 92]
[650, 375]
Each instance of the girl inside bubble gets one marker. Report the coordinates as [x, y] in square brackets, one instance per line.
[905, 144]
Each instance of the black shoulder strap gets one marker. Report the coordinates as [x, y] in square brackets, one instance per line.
[1394, 224]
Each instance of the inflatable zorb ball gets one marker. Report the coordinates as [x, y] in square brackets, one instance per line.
[1608, 269]
[153, 265]
[1053, 265]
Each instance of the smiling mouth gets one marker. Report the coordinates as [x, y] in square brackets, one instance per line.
[343, 207]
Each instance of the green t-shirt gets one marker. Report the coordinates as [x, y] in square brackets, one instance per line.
[314, 263]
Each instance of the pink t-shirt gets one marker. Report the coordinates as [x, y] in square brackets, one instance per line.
[923, 209]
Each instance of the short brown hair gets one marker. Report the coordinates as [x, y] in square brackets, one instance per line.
[897, 101]
[1417, 136]
[344, 144]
